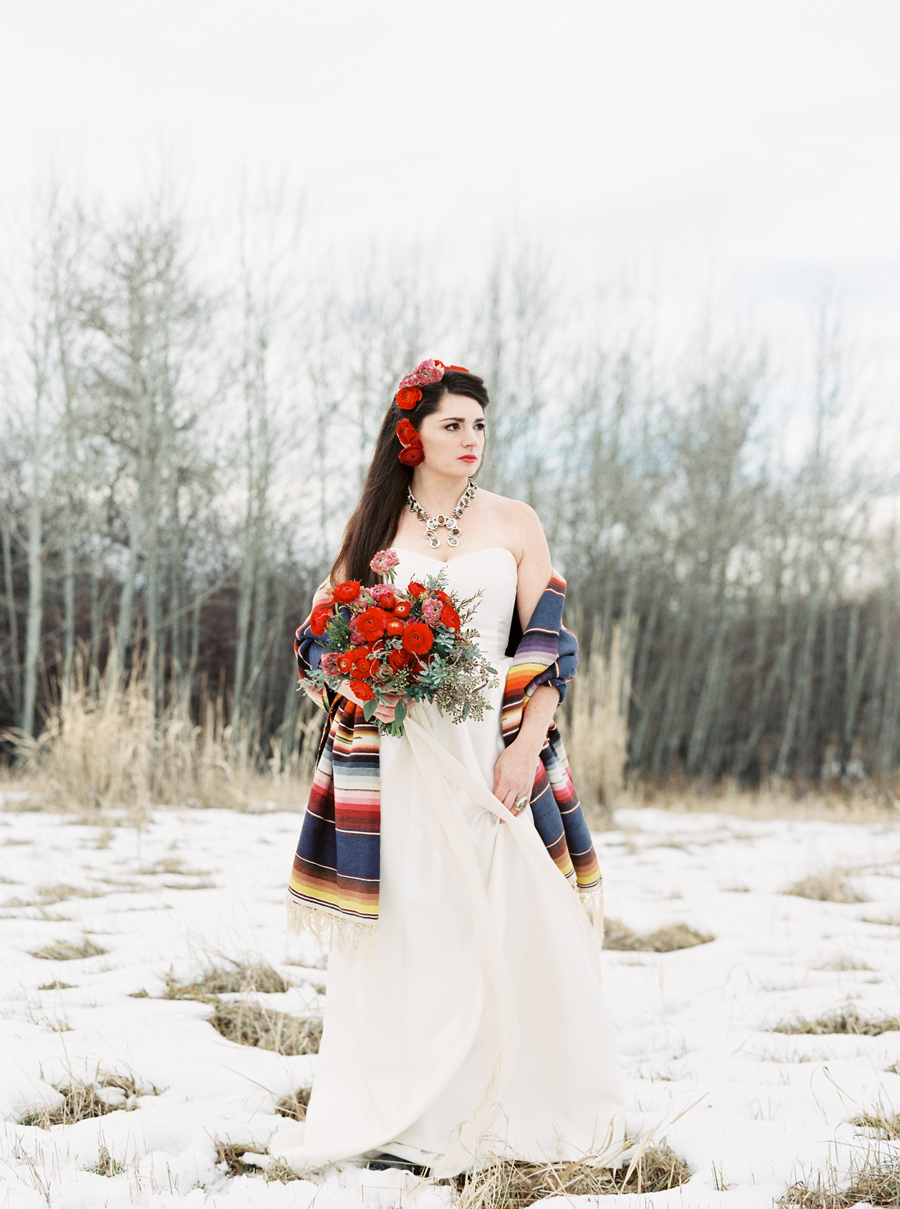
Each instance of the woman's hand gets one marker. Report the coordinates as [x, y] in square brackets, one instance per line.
[385, 712]
[514, 774]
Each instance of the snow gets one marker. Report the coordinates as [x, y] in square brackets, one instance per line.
[750, 1110]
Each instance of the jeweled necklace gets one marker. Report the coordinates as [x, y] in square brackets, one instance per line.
[433, 523]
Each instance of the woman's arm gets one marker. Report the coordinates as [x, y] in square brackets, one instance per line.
[514, 770]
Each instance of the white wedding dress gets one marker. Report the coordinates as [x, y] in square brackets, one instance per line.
[475, 1024]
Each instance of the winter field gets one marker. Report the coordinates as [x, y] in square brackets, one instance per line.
[185, 1113]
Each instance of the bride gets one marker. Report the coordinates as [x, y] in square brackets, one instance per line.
[465, 1016]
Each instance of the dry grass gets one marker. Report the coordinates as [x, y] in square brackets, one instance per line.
[825, 888]
[894, 1068]
[842, 963]
[597, 729]
[237, 978]
[883, 1126]
[106, 1164]
[620, 937]
[232, 1155]
[252, 1024]
[68, 950]
[875, 1182]
[56, 985]
[295, 1104]
[515, 1185]
[102, 748]
[866, 802]
[841, 1020]
[82, 1101]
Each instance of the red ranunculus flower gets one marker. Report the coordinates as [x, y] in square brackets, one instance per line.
[401, 608]
[417, 638]
[362, 668]
[345, 664]
[319, 620]
[394, 626]
[399, 659]
[450, 617]
[443, 597]
[362, 690]
[347, 591]
[370, 623]
[415, 588]
[408, 397]
[413, 456]
[406, 433]
[387, 600]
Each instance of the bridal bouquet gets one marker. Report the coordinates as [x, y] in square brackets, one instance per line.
[406, 642]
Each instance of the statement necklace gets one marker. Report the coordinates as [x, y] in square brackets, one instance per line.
[433, 523]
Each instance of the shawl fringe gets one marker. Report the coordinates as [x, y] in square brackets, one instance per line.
[332, 929]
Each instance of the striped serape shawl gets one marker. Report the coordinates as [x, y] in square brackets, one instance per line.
[334, 882]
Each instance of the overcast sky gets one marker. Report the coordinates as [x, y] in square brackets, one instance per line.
[753, 140]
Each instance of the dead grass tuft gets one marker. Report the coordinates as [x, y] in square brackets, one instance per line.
[825, 888]
[875, 1182]
[514, 1185]
[239, 978]
[68, 950]
[842, 963]
[883, 1126]
[279, 1173]
[252, 1024]
[56, 986]
[232, 1155]
[82, 1101]
[58, 894]
[106, 1164]
[841, 1020]
[295, 1104]
[619, 936]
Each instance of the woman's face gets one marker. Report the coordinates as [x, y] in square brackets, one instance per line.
[453, 436]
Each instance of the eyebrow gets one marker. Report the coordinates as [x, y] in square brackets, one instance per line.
[459, 419]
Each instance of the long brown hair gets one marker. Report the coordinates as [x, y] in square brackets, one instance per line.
[383, 498]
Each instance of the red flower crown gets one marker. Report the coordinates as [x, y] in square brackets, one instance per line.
[408, 395]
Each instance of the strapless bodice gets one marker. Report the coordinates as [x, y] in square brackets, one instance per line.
[493, 570]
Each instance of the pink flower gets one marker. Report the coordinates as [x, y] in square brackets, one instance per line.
[328, 663]
[379, 590]
[431, 610]
[424, 373]
[355, 637]
[383, 561]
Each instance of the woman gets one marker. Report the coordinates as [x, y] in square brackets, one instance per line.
[464, 1013]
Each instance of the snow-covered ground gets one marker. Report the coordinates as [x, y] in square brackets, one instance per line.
[749, 1109]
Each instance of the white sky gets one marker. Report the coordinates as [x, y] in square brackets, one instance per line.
[750, 142]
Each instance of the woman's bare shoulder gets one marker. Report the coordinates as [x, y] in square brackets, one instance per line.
[515, 513]
[517, 521]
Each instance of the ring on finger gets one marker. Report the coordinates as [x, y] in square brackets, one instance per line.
[520, 804]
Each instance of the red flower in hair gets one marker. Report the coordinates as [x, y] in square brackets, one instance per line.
[361, 690]
[370, 623]
[414, 455]
[408, 397]
[417, 638]
[347, 591]
[407, 434]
